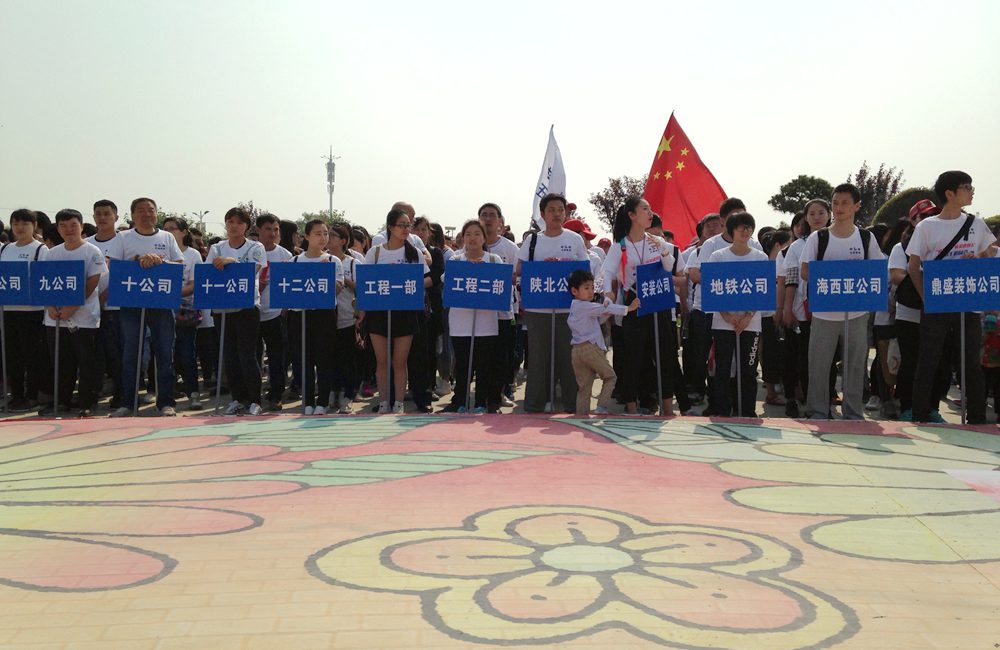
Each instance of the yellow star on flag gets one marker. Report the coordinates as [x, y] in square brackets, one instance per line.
[680, 165]
[668, 176]
[656, 176]
[684, 151]
[664, 146]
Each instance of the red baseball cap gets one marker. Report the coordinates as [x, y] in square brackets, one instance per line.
[570, 207]
[924, 208]
[579, 227]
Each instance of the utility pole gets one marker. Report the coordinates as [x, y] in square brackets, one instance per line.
[331, 170]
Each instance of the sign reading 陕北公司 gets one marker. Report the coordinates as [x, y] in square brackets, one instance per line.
[545, 285]
[962, 285]
[477, 285]
[848, 285]
[158, 287]
[738, 286]
[390, 287]
[230, 288]
[58, 283]
[654, 288]
[303, 286]
[15, 284]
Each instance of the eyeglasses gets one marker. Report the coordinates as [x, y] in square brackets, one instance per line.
[404, 226]
[967, 186]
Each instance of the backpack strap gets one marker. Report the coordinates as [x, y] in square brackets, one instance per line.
[531, 247]
[963, 233]
[824, 241]
[677, 254]
[378, 249]
[3, 248]
[866, 240]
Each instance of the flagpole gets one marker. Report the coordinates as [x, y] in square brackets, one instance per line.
[138, 362]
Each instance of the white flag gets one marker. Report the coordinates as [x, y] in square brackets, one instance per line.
[552, 179]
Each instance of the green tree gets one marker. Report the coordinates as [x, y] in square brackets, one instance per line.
[899, 205]
[338, 216]
[793, 195]
[612, 197]
[875, 189]
[993, 221]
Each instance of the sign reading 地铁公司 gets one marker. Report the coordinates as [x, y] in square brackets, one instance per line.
[738, 286]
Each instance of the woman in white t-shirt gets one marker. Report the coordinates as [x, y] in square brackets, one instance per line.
[344, 381]
[726, 326]
[396, 250]
[187, 317]
[461, 322]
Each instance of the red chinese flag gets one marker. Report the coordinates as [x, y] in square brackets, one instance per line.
[680, 188]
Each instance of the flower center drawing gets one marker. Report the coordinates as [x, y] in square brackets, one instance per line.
[584, 558]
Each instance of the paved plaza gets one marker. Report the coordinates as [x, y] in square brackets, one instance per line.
[512, 530]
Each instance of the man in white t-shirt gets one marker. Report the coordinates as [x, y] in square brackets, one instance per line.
[273, 332]
[150, 246]
[845, 241]
[109, 337]
[931, 239]
[78, 324]
[492, 220]
[552, 245]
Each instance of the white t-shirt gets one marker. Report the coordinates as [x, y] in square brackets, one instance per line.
[585, 320]
[88, 316]
[897, 260]
[840, 248]
[460, 319]
[28, 253]
[932, 234]
[113, 250]
[711, 245]
[508, 251]
[727, 255]
[397, 256]
[161, 242]
[248, 251]
[379, 240]
[597, 250]
[345, 299]
[277, 254]
[686, 257]
[790, 267]
[326, 258]
[565, 246]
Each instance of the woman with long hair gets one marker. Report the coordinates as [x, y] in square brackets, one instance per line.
[346, 361]
[187, 317]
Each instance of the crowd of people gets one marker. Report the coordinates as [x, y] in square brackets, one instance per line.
[710, 363]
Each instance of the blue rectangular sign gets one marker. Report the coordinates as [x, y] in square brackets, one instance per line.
[390, 287]
[962, 285]
[306, 285]
[15, 285]
[230, 288]
[848, 285]
[545, 285]
[478, 285]
[738, 286]
[654, 288]
[58, 283]
[158, 287]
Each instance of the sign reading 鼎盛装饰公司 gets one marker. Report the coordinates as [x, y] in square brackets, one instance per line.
[962, 285]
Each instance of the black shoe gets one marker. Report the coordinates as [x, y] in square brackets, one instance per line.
[451, 408]
[424, 408]
[792, 409]
[19, 406]
[86, 412]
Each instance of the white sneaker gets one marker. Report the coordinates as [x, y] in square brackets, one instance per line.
[383, 407]
[120, 412]
[319, 410]
[234, 408]
[397, 407]
[874, 403]
[506, 401]
[308, 410]
[254, 409]
[147, 398]
[168, 412]
[194, 401]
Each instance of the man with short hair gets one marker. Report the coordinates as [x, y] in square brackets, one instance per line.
[109, 337]
[272, 321]
[491, 217]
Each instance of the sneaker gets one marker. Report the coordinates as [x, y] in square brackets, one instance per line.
[345, 407]
[168, 412]
[548, 407]
[791, 409]
[272, 406]
[461, 409]
[86, 413]
[383, 407]
[935, 418]
[479, 410]
[890, 410]
[367, 390]
[691, 412]
[601, 410]
[194, 401]
[147, 398]
[234, 408]
[874, 403]
[120, 412]
[397, 407]
[443, 387]
[254, 409]
[309, 410]
[906, 416]
[19, 406]
[506, 401]
[631, 415]
[319, 410]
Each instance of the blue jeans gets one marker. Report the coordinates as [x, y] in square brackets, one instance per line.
[161, 327]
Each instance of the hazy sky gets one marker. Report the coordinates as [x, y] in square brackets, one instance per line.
[205, 104]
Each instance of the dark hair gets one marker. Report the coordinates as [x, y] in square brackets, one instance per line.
[288, 230]
[578, 277]
[657, 222]
[266, 217]
[668, 234]
[730, 204]
[775, 238]
[949, 181]
[437, 235]
[342, 231]
[700, 227]
[183, 226]
[622, 221]
[239, 213]
[359, 234]
[895, 234]
[409, 250]
[106, 203]
[23, 214]
[821, 202]
[548, 198]
[848, 188]
[139, 200]
[42, 220]
[312, 223]
[51, 232]
[67, 214]
[734, 221]
[764, 232]
[879, 231]
[475, 223]
[799, 216]
[496, 207]
[89, 230]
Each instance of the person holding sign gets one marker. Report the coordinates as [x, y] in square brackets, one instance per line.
[727, 326]
[80, 322]
[344, 382]
[397, 249]
[463, 324]
[317, 367]
[841, 241]
[240, 348]
[941, 237]
[635, 247]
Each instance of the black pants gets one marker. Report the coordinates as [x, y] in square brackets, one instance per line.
[316, 369]
[506, 341]
[696, 351]
[483, 367]
[725, 347]
[790, 377]
[771, 351]
[240, 355]
[208, 353]
[639, 331]
[28, 371]
[418, 365]
[935, 330]
[109, 343]
[272, 333]
[77, 350]
[346, 360]
[992, 377]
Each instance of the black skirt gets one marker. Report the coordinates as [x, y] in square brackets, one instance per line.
[404, 323]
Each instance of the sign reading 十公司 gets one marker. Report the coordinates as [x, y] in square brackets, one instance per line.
[158, 287]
